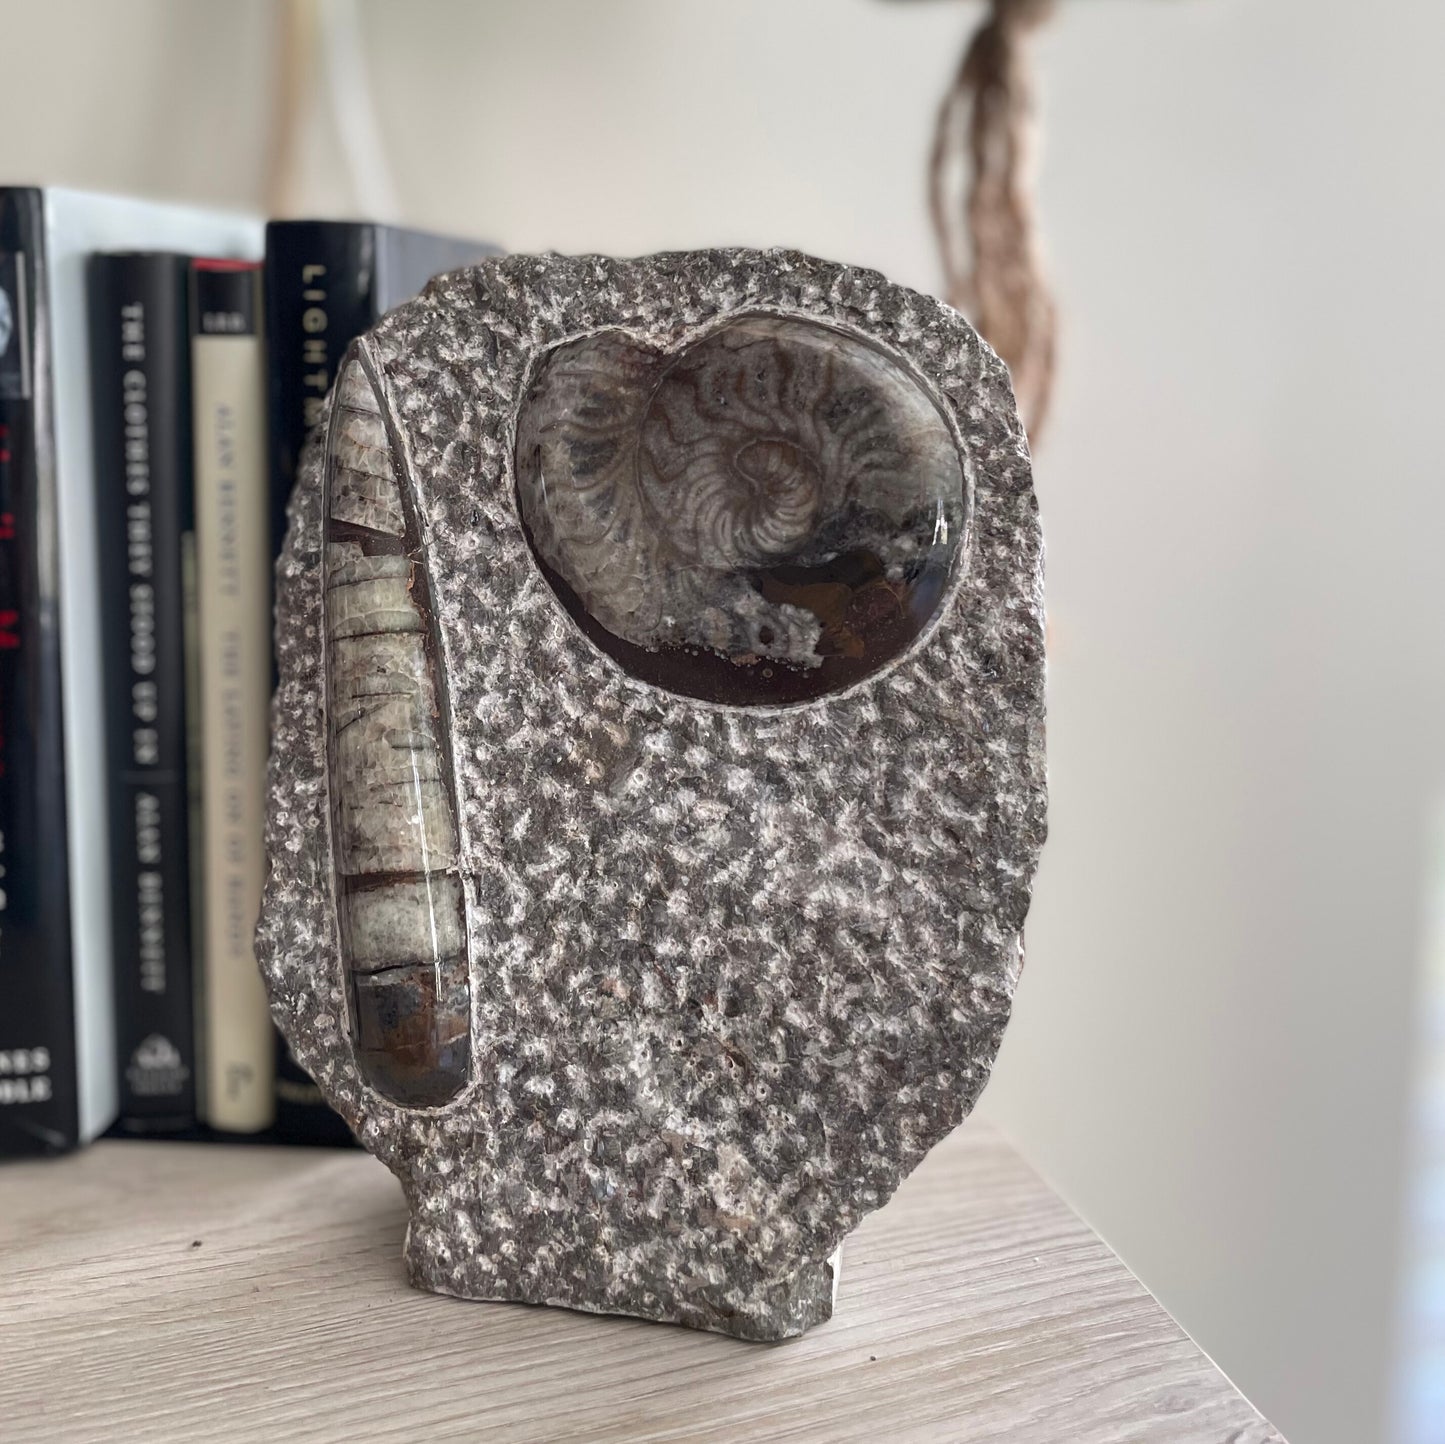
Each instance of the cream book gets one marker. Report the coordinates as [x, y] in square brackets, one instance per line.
[233, 574]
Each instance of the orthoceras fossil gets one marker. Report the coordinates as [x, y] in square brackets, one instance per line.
[398, 891]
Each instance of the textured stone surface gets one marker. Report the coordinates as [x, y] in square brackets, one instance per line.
[731, 970]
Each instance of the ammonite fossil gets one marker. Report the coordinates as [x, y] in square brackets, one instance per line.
[764, 516]
[657, 778]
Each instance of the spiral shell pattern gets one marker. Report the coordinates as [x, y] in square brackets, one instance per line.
[769, 513]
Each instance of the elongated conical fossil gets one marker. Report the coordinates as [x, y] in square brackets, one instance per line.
[399, 894]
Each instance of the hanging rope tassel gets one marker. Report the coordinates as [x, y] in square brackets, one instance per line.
[980, 195]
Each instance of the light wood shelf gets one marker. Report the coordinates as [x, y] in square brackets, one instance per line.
[189, 1292]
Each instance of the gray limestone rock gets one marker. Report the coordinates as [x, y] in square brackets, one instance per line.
[657, 776]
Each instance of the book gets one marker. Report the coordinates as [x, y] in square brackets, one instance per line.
[233, 561]
[326, 283]
[39, 1084]
[58, 1074]
[141, 383]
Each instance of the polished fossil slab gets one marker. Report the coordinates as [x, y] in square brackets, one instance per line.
[649, 973]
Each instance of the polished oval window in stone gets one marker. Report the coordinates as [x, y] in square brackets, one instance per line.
[768, 515]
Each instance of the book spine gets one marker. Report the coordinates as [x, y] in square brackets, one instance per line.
[39, 1098]
[195, 787]
[233, 573]
[321, 294]
[140, 374]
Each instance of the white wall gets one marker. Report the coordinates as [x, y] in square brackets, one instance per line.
[1242, 490]
[1244, 501]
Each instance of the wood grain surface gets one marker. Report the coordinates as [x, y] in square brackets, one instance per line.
[190, 1292]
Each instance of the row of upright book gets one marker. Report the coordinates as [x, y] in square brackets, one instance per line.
[161, 368]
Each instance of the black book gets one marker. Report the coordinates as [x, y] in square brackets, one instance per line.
[39, 1090]
[326, 282]
[141, 395]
